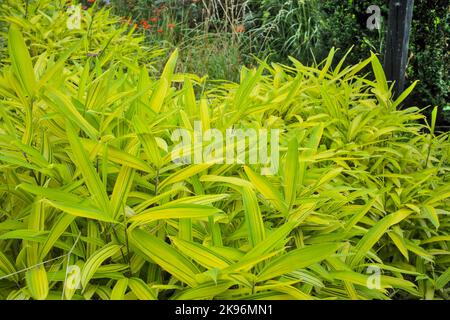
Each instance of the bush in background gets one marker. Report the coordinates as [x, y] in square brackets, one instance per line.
[283, 28]
[344, 26]
[430, 56]
[205, 33]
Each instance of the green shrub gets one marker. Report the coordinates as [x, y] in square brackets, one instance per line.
[430, 56]
[87, 183]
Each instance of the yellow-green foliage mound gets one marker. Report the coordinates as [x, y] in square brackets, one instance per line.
[89, 192]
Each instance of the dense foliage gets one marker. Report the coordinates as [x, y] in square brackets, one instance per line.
[345, 26]
[226, 33]
[87, 180]
[430, 57]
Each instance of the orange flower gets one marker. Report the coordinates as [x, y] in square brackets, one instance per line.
[160, 30]
[135, 26]
[153, 19]
[239, 28]
[171, 26]
[147, 26]
[91, 1]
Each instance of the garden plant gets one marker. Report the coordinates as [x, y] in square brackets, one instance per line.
[93, 205]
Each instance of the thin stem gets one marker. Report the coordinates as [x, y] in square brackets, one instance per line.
[156, 182]
[26, 8]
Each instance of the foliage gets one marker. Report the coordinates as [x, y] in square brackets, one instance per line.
[283, 28]
[207, 46]
[87, 181]
[303, 29]
[44, 25]
[430, 56]
[343, 25]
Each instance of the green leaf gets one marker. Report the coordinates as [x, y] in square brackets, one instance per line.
[21, 60]
[443, 279]
[404, 94]
[291, 173]
[184, 174]
[165, 256]
[253, 217]
[7, 267]
[201, 254]
[80, 210]
[59, 226]
[204, 291]
[274, 241]
[113, 154]
[90, 176]
[266, 189]
[399, 243]
[141, 289]
[430, 212]
[123, 185]
[93, 262]
[298, 259]
[37, 283]
[65, 107]
[118, 292]
[379, 73]
[375, 233]
[175, 211]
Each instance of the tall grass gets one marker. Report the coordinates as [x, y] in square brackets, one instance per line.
[284, 28]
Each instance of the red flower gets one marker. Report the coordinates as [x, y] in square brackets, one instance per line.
[153, 19]
[171, 25]
[160, 30]
[91, 1]
[240, 28]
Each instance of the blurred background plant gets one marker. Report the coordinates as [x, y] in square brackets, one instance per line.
[284, 28]
[430, 56]
[207, 33]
